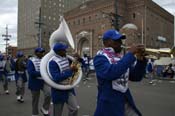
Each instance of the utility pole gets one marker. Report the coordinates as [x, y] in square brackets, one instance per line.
[141, 15]
[6, 38]
[39, 23]
[116, 16]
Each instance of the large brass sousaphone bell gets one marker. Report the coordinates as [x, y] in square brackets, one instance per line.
[62, 34]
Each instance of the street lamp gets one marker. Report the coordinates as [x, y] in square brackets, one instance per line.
[141, 24]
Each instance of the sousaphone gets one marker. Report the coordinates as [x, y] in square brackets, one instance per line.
[62, 34]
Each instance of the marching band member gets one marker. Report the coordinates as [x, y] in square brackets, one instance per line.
[113, 72]
[20, 76]
[36, 83]
[60, 70]
[3, 73]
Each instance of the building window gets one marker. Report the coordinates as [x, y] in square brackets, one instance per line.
[89, 18]
[134, 15]
[147, 28]
[49, 33]
[78, 21]
[96, 15]
[83, 20]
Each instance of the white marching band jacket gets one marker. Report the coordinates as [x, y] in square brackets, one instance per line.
[36, 62]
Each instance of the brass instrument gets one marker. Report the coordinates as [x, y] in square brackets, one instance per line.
[75, 75]
[62, 34]
[159, 52]
[149, 51]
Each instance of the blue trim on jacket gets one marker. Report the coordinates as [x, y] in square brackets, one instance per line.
[59, 96]
[34, 84]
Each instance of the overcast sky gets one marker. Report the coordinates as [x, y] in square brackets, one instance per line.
[8, 15]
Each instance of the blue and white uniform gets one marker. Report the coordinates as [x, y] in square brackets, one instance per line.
[36, 83]
[3, 73]
[59, 69]
[60, 72]
[20, 76]
[2, 67]
[113, 72]
[33, 68]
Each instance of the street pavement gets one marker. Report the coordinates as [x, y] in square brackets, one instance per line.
[152, 99]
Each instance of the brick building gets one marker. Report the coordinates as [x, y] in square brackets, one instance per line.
[12, 50]
[88, 21]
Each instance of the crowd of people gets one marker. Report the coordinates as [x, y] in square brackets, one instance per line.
[113, 71]
[27, 70]
[159, 71]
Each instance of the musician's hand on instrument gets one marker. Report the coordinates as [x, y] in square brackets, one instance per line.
[140, 56]
[74, 68]
[136, 48]
[141, 48]
[141, 52]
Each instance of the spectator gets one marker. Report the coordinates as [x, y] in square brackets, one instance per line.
[86, 66]
[150, 69]
[169, 71]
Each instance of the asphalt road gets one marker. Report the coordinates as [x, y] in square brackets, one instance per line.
[152, 100]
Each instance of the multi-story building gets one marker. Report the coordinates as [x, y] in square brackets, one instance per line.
[70, 4]
[88, 21]
[37, 19]
[28, 12]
